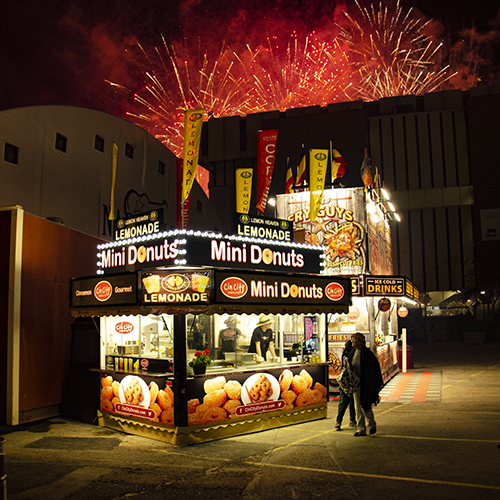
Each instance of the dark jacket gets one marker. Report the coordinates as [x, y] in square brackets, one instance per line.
[371, 378]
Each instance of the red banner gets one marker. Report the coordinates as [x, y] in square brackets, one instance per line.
[182, 215]
[266, 154]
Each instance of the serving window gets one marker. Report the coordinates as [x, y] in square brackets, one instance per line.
[233, 340]
[244, 340]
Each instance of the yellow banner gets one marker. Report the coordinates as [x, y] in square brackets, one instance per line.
[113, 182]
[243, 189]
[193, 122]
[318, 164]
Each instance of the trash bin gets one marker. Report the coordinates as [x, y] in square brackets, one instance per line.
[409, 357]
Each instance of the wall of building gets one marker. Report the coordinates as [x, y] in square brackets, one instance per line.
[483, 118]
[421, 149]
[74, 185]
[36, 327]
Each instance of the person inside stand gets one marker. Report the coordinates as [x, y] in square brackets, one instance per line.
[228, 337]
[365, 365]
[263, 339]
[345, 400]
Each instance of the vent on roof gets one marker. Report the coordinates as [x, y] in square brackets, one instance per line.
[11, 153]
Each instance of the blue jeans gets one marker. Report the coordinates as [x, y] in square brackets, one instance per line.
[345, 401]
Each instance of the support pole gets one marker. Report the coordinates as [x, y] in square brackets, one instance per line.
[403, 354]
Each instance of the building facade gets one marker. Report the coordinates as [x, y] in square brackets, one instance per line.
[58, 164]
[434, 153]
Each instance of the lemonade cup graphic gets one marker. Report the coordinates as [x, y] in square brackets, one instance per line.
[199, 282]
[152, 283]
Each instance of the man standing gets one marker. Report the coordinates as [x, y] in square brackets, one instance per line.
[228, 337]
[263, 339]
[365, 365]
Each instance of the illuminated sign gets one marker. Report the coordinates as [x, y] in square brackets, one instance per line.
[384, 285]
[190, 248]
[263, 228]
[174, 287]
[114, 290]
[139, 225]
[395, 286]
[273, 289]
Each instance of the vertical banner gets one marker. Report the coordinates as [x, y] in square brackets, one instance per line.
[289, 181]
[243, 189]
[338, 165]
[366, 171]
[301, 170]
[182, 213]
[266, 154]
[113, 182]
[318, 164]
[193, 122]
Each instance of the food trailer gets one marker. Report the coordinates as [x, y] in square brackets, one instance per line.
[353, 228]
[378, 304]
[167, 298]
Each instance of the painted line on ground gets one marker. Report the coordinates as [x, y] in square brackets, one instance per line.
[423, 438]
[378, 476]
[399, 388]
[391, 409]
[420, 394]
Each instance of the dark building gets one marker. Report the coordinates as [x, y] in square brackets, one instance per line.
[435, 153]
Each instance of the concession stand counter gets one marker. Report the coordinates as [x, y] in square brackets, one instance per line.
[159, 310]
[379, 303]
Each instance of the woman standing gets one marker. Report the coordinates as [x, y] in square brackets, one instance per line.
[345, 400]
[365, 365]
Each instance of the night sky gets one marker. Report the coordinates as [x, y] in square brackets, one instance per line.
[60, 51]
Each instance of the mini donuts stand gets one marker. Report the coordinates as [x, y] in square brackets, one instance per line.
[164, 300]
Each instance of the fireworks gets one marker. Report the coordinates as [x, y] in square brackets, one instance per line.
[297, 73]
[176, 77]
[392, 53]
[375, 52]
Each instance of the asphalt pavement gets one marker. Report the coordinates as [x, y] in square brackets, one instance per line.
[438, 437]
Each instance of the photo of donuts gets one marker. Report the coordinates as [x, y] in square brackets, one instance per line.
[260, 387]
[300, 389]
[133, 390]
[222, 397]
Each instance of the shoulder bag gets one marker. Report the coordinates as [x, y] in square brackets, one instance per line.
[348, 381]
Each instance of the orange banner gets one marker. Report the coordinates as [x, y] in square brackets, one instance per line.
[193, 122]
[266, 154]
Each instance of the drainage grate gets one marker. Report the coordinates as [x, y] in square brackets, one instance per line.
[75, 443]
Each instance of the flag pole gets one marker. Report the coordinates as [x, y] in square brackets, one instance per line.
[331, 162]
